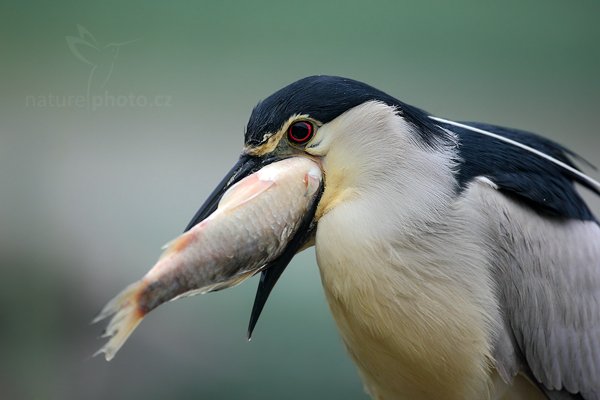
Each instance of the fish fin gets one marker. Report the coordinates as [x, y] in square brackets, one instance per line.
[234, 281]
[178, 244]
[244, 191]
[168, 244]
[126, 315]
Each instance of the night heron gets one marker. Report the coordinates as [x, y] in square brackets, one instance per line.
[457, 265]
[458, 259]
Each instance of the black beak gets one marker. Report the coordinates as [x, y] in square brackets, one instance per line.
[271, 272]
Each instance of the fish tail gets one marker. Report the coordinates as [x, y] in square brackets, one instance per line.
[126, 315]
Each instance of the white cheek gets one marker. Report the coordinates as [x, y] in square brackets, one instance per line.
[320, 144]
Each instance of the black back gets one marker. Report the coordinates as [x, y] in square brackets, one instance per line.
[543, 185]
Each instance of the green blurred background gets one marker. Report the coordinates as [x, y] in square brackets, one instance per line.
[91, 190]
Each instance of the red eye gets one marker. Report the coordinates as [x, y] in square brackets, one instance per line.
[300, 132]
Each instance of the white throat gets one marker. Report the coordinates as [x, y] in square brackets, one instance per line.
[386, 216]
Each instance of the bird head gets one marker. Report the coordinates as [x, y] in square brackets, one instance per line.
[356, 133]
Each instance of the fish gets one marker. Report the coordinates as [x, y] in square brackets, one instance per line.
[251, 226]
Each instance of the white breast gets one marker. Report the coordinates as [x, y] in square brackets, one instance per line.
[413, 329]
[404, 275]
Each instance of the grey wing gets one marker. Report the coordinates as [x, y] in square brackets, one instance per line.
[547, 275]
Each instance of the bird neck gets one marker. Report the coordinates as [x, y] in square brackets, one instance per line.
[401, 271]
[380, 159]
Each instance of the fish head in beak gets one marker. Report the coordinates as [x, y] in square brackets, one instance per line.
[270, 272]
